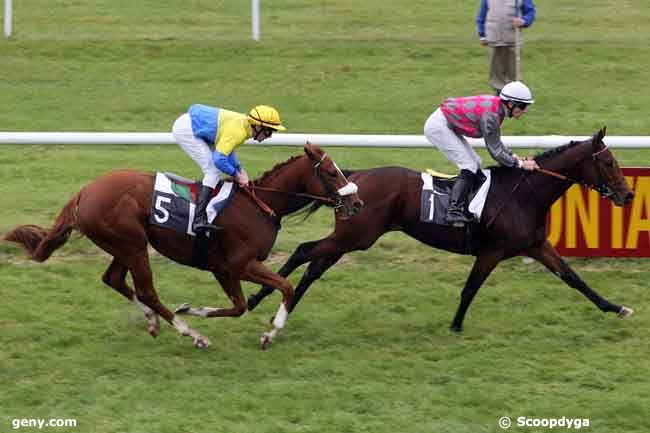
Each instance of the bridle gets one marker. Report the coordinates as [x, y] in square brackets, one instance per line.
[348, 189]
[336, 202]
[603, 189]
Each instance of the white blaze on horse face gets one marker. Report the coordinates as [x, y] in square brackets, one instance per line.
[349, 189]
[280, 317]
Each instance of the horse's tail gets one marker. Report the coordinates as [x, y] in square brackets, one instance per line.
[40, 243]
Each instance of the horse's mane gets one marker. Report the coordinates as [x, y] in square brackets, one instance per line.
[541, 157]
[304, 210]
[268, 173]
[554, 151]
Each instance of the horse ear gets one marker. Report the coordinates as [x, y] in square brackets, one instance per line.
[598, 137]
[311, 150]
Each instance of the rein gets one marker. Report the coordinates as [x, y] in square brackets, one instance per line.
[265, 207]
[551, 174]
[568, 179]
[250, 190]
[505, 203]
[297, 194]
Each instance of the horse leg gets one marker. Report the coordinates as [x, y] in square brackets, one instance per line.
[143, 281]
[483, 267]
[299, 257]
[256, 272]
[549, 257]
[115, 277]
[232, 287]
[315, 270]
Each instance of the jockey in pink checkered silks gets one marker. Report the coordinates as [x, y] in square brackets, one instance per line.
[476, 116]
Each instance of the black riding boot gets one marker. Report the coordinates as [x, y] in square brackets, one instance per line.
[201, 223]
[457, 214]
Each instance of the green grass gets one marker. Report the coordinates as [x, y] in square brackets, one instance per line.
[369, 349]
[335, 66]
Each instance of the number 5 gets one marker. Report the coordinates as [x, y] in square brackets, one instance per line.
[165, 213]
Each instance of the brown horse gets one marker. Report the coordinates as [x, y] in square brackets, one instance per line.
[513, 221]
[113, 211]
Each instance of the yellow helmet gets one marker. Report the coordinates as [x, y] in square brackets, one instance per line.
[266, 116]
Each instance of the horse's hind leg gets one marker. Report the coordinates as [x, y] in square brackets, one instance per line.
[115, 277]
[143, 281]
[232, 287]
[548, 256]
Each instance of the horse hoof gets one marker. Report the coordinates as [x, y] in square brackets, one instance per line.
[252, 302]
[625, 312]
[201, 342]
[183, 308]
[154, 331]
[265, 341]
[456, 328]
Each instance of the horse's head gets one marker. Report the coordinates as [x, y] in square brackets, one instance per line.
[333, 183]
[602, 171]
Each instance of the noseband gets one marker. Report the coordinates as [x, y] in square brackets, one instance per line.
[348, 189]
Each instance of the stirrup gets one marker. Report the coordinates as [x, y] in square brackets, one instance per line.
[201, 227]
[458, 218]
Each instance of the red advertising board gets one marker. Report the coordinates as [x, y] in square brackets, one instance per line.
[583, 224]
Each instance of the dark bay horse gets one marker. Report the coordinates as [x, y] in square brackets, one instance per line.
[513, 221]
[113, 212]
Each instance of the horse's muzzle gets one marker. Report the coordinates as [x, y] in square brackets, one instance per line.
[622, 199]
[628, 198]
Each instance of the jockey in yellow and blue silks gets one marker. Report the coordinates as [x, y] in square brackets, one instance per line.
[210, 135]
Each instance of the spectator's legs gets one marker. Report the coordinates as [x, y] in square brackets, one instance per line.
[503, 66]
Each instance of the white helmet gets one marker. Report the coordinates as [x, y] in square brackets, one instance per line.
[516, 91]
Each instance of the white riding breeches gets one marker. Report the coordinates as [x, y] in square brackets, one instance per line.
[455, 147]
[197, 149]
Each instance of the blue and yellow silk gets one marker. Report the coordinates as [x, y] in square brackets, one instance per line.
[224, 131]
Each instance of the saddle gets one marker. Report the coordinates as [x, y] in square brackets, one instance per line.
[436, 192]
[186, 188]
[174, 198]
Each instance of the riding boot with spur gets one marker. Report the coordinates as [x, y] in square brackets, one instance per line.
[457, 213]
[201, 224]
